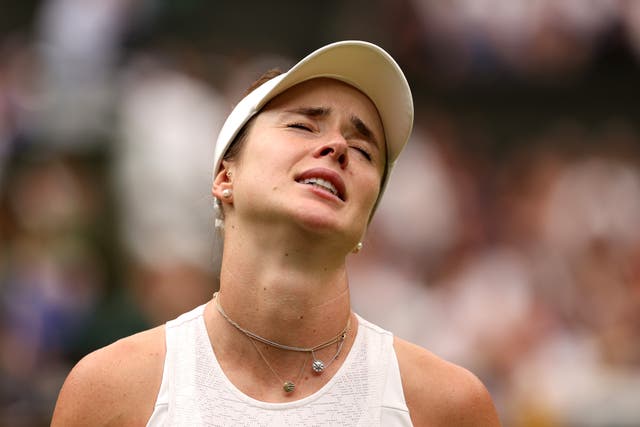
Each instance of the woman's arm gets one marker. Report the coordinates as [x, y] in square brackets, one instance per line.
[116, 385]
[439, 393]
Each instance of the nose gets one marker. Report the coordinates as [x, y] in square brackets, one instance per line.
[337, 149]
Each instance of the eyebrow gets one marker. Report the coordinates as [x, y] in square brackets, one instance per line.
[311, 111]
[364, 130]
[357, 123]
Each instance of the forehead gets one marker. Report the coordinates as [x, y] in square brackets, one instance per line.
[327, 92]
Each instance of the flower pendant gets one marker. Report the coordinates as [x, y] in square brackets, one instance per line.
[317, 366]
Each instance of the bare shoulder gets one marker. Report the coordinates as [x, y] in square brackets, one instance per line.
[115, 385]
[440, 393]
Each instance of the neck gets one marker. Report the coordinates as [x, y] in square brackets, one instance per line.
[295, 295]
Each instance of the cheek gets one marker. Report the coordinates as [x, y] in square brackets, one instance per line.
[265, 171]
[370, 185]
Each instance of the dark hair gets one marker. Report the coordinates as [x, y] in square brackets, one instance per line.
[236, 145]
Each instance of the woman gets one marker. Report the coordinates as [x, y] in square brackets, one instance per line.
[300, 165]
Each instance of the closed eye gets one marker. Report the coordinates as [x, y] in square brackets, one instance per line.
[300, 126]
[363, 152]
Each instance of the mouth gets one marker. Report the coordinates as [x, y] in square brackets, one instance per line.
[326, 181]
[319, 182]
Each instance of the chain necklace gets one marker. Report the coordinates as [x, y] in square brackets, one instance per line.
[317, 365]
[288, 386]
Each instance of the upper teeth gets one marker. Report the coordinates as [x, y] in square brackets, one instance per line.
[322, 183]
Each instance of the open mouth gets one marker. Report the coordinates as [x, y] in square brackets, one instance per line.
[322, 184]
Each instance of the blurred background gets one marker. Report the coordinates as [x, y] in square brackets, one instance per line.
[508, 240]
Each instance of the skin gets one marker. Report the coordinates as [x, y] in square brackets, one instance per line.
[283, 272]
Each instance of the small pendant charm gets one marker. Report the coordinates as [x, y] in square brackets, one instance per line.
[288, 386]
[317, 366]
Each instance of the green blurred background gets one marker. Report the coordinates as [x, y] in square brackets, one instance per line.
[508, 240]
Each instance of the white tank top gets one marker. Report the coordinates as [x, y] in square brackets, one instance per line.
[366, 390]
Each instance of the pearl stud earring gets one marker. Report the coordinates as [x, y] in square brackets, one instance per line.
[358, 247]
[226, 193]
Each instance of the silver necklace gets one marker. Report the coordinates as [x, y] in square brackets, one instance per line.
[317, 365]
[288, 386]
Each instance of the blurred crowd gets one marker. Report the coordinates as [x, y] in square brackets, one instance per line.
[507, 240]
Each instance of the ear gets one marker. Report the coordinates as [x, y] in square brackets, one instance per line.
[221, 182]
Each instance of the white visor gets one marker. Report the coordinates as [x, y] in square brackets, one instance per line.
[362, 65]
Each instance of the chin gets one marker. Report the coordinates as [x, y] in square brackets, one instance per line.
[327, 226]
[325, 220]
[318, 220]
[319, 223]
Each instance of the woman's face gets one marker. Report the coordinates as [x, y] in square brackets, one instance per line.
[315, 155]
